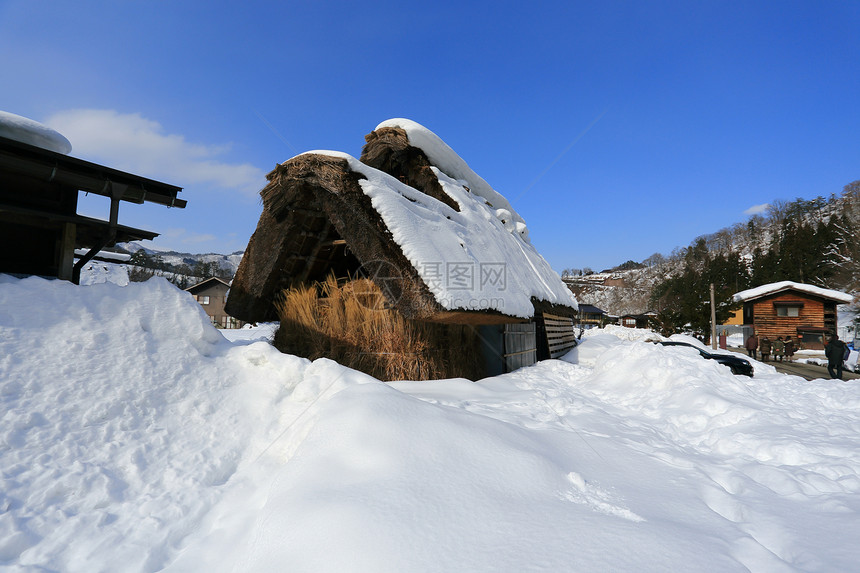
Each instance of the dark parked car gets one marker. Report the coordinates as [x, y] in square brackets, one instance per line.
[738, 365]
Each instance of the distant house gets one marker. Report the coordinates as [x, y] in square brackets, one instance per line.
[802, 311]
[212, 296]
[590, 316]
[636, 320]
[39, 224]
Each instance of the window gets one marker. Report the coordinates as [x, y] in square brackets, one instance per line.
[788, 311]
[203, 299]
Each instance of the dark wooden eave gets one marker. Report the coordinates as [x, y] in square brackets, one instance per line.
[39, 190]
[89, 230]
[51, 167]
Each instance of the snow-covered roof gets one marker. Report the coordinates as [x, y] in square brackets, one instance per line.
[774, 288]
[452, 165]
[477, 258]
[26, 130]
[206, 283]
[458, 243]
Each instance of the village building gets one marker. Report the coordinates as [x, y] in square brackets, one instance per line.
[590, 316]
[441, 245]
[39, 186]
[212, 293]
[804, 312]
[636, 320]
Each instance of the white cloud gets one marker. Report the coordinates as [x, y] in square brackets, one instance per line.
[757, 209]
[134, 143]
[199, 238]
[179, 236]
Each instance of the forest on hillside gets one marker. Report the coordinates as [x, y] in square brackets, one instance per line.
[810, 241]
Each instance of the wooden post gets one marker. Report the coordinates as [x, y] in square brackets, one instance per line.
[713, 319]
[66, 261]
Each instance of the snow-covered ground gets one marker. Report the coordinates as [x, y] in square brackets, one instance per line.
[135, 437]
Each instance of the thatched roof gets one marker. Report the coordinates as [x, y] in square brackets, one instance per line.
[397, 217]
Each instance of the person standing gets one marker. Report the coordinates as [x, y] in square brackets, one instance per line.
[751, 345]
[778, 349]
[835, 353]
[765, 348]
[789, 348]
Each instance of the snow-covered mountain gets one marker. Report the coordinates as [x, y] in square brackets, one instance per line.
[618, 292]
[229, 262]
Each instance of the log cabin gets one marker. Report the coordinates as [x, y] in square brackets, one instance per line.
[804, 312]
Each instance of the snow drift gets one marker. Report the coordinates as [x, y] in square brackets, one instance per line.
[135, 437]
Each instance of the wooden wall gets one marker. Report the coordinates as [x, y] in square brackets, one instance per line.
[520, 345]
[217, 293]
[767, 323]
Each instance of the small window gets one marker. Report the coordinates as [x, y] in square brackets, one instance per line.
[788, 311]
[203, 299]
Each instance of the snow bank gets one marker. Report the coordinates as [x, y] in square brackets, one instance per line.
[136, 438]
[26, 130]
[124, 412]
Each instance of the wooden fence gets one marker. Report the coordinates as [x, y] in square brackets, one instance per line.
[559, 334]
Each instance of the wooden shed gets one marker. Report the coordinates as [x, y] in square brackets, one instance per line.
[441, 245]
[802, 311]
[39, 224]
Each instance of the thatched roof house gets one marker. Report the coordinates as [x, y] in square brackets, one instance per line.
[411, 215]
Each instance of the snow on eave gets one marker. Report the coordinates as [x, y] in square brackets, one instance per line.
[25, 130]
[774, 288]
[105, 255]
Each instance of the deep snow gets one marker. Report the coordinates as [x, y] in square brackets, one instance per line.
[135, 437]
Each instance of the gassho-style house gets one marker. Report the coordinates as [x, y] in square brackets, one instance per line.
[441, 245]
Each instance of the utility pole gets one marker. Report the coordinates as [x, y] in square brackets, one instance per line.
[713, 319]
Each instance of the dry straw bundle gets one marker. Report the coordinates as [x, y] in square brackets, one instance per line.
[350, 324]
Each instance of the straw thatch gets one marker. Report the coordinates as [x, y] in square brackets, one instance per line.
[308, 204]
[347, 323]
[316, 220]
[388, 150]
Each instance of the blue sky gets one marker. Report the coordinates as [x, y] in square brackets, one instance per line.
[616, 129]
